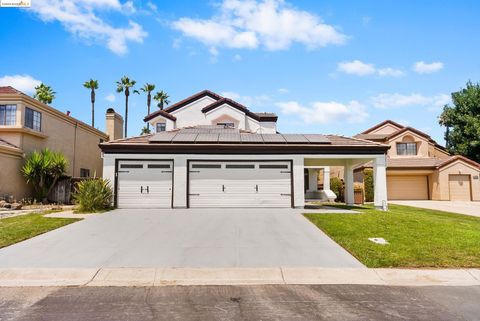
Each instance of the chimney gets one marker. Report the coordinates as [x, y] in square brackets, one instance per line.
[113, 124]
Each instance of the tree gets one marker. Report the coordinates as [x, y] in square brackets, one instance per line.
[42, 170]
[462, 122]
[44, 93]
[162, 98]
[148, 88]
[368, 184]
[145, 130]
[92, 85]
[124, 86]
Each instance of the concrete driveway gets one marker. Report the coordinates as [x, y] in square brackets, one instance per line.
[467, 208]
[183, 238]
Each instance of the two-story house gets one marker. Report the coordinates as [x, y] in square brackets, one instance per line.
[210, 151]
[418, 168]
[27, 125]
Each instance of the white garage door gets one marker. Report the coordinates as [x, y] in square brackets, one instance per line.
[413, 187]
[240, 184]
[144, 184]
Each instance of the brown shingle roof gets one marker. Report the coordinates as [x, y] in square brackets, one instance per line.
[422, 162]
[9, 90]
[160, 113]
[242, 108]
[388, 121]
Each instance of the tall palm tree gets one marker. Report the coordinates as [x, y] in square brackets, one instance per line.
[92, 85]
[44, 93]
[124, 86]
[162, 98]
[148, 88]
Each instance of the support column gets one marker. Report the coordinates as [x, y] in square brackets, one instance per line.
[349, 193]
[180, 175]
[298, 182]
[326, 178]
[312, 180]
[380, 182]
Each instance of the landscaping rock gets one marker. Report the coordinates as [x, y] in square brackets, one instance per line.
[2, 203]
[16, 206]
[7, 205]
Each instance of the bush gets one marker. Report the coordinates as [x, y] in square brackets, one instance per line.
[337, 186]
[368, 184]
[42, 170]
[93, 195]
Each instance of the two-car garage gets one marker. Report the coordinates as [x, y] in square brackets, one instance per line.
[210, 183]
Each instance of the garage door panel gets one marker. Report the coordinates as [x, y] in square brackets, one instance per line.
[459, 186]
[236, 184]
[414, 187]
[144, 184]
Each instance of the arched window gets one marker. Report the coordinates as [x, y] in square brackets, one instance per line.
[407, 146]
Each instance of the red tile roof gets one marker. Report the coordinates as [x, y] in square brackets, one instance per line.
[422, 162]
[9, 90]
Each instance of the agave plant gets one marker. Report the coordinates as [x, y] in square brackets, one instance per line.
[93, 195]
[42, 170]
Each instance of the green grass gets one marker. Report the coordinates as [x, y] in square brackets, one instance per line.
[19, 228]
[418, 237]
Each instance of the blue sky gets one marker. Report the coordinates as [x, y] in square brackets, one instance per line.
[323, 66]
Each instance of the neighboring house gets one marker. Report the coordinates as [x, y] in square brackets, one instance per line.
[418, 168]
[27, 125]
[209, 151]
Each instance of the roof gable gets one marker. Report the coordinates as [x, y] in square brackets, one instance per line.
[382, 124]
[191, 99]
[261, 117]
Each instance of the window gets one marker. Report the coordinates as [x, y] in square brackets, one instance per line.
[239, 166]
[206, 166]
[227, 125]
[33, 119]
[406, 149]
[161, 127]
[131, 166]
[84, 172]
[272, 166]
[8, 114]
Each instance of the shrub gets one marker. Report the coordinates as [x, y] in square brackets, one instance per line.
[42, 170]
[93, 195]
[368, 184]
[337, 186]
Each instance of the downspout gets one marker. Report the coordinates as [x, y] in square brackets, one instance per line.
[74, 148]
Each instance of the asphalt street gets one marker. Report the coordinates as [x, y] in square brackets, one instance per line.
[268, 302]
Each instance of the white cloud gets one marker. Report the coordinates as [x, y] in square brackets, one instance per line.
[360, 68]
[356, 67]
[325, 112]
[237, 57]
[283, 90]
[24, 83]
[259, 100]
[422, 67]
[80, 17]
[385, 101]
[110, 97]
[271, 24]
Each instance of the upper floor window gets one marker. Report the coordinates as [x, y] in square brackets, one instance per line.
[161, 127]
[33, 119]
[226, 124]
[84, 172]
[406, 149]
[8, 114]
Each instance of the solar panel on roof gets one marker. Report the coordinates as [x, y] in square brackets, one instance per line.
[162, 137]
[273, 138]
[317, 138]
[230, 138]
[251, 138]
[207, 138]
[185, 137]
[295, 138]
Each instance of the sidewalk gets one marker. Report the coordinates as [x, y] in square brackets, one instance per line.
[17, 277]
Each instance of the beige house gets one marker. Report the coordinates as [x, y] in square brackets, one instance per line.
[418, 168]
[27, 125]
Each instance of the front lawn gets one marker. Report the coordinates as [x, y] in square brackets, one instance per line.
[418, 237]
[19, 228]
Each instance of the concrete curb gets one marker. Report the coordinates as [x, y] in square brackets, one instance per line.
[19, 277]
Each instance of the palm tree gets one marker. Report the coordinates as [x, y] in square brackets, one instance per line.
[124, 86]
[148, 88]
[145, 130]
[162, 98]
[92, 85]
[44, 93]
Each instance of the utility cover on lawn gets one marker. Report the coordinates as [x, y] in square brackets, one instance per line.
[378, 240]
